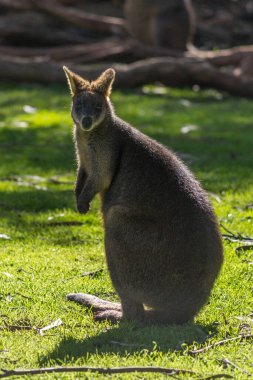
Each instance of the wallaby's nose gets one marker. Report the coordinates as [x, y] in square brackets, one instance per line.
[86, 122]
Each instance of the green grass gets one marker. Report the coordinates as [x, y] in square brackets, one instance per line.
[41, 262]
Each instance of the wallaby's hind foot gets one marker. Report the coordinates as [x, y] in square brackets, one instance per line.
[140, 316]
[112, 315]
[110, 311]
[155, 317]
[97, 304]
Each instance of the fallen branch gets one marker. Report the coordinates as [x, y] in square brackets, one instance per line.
[18, 28]
[104, 371]
[62, 53]
[223, 57]
[108, 49]
[220, 343]
[16, 4]
[80, 18]
[240, 57]
[27, 4]
[180, 72]
[226, 57]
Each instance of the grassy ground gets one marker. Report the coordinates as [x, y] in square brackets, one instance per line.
[44, 256]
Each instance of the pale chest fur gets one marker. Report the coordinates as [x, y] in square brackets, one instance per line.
[96, 158]
[82, 150]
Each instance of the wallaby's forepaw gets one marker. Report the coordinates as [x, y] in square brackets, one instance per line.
[113, 316]
[83, 207]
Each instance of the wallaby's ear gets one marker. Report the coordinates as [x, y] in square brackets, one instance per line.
[104, 82]
[75, 82]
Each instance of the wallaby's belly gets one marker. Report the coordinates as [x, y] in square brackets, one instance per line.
[157, 260]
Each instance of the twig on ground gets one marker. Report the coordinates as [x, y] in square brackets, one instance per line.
[243, 248]
[16, 327]
[57, 181]
[226, 229]
[65, 223]
[104, 371]
[233, 237]
[5, 206]
[127, 344]
[228, 362]
[220, 343]
[23, 295]
[92, 274]
[239, 239]
[7, 360]
[219, 376]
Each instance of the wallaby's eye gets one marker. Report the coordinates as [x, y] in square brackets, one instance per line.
[98, 107]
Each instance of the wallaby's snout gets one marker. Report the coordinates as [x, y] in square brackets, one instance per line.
[86, 122]
[88, 110]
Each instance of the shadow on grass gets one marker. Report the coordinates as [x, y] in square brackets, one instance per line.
[33, 200]
[36, 150]
[221, 156]
[127, 338]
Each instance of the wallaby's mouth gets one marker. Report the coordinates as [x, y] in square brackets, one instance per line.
[86, 122]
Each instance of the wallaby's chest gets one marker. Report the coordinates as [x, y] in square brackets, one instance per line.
[83, 153]
[95, 155]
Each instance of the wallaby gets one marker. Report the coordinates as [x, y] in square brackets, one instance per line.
[166, 23]
[162, 243]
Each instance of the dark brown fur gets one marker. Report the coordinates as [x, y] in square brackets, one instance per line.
[162, 243]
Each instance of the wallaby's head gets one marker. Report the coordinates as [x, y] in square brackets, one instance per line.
[90, 100]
